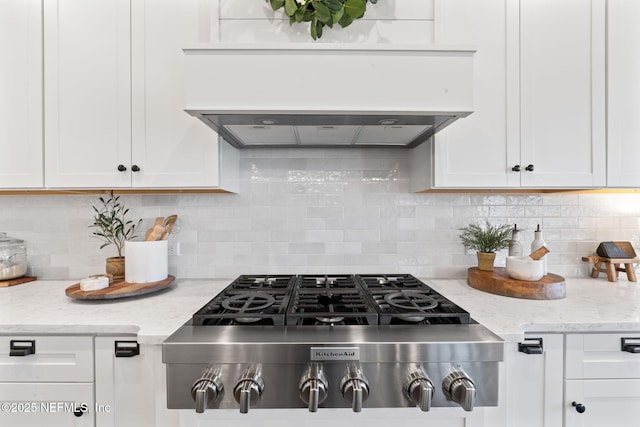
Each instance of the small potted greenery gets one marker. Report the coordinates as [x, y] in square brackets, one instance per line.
[322, 12]
[113, 228]
[486, 241]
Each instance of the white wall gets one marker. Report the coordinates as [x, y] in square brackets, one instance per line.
[322, 210]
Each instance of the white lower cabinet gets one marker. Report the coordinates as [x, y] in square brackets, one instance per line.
[533, 391]
[130, 387]
[46, 381]
[602, 380]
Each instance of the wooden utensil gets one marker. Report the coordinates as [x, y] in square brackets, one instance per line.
[539, 253]
[155, 232]
[169, 225]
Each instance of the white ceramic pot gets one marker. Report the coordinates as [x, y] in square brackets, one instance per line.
[145, 261]
[525, 268]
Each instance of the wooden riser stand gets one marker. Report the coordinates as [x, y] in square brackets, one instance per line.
[613, 267]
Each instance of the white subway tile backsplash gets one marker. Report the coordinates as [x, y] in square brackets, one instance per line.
[319, 211]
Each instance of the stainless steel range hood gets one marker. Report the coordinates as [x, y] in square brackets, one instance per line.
[328, 95]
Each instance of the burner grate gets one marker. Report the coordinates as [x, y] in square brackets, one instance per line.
[237, 307]
[421, 306]
[375, 282]
[330, 307]
[331, 281]
[264, 282]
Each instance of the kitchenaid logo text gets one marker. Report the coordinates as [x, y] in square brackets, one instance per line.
[335, 353]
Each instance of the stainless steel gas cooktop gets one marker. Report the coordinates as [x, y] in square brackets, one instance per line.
[331, 341]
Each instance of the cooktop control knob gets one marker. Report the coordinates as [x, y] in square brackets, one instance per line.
[458, 387]
[354, 387]
[418, 388]
[249, 387]
[207, 388]
[313, 386]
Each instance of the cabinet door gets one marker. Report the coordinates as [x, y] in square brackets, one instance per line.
[562, 89]
[87, 86]
[623, 96]
[172, 148]
[533, 394]
[21, 94]
[474, 151]
[133, 388]
[47, 404]
[611, 403]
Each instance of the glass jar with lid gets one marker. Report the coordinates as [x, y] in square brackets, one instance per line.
[13, 257]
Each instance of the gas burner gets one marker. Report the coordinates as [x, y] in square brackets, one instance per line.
[330, 320]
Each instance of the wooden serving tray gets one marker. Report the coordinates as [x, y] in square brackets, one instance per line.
[498, 282]
[17, 281]
[118, 289]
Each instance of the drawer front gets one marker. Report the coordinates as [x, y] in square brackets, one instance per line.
[48, 404]
[610, 403]
[600, 356]
[47, 358]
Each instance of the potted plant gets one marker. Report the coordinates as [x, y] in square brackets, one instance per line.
[322, 12]
[112, 227]
[486, 241]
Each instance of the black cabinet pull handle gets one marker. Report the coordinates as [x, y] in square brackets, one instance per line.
[516, 168]
[531, 346]
[579, 407]
[127, 348]
[630, 345]
[135, 168]
[122, 168]
[529, 168]
[22, 348]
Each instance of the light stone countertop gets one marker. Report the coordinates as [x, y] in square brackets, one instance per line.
[41, 307]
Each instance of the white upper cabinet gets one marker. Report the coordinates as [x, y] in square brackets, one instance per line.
[562, 93]
[114, 96]
[623, 100]
[172, 148]
[472, 151]
[21, 94]
[539, 99]
[87, 89]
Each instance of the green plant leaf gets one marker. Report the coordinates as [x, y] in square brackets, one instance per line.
[337, 16]
[345, 20]
[290, 7]
[276, 4]
[333, 5]
[313, 28]
[355, 8]
[299, 15]
[322, 12]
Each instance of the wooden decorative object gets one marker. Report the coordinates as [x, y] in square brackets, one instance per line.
[612, 266]
[118, 289]
[498, 282]
[17, 281]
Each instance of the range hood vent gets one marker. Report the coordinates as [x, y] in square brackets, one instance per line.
[328, 95]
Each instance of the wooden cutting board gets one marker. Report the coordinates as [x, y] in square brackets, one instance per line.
[17, 281]
[498, 282]
[118, 289]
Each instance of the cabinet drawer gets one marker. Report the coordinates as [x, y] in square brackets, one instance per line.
[48, 404]
[52, 359]
[600, 356]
